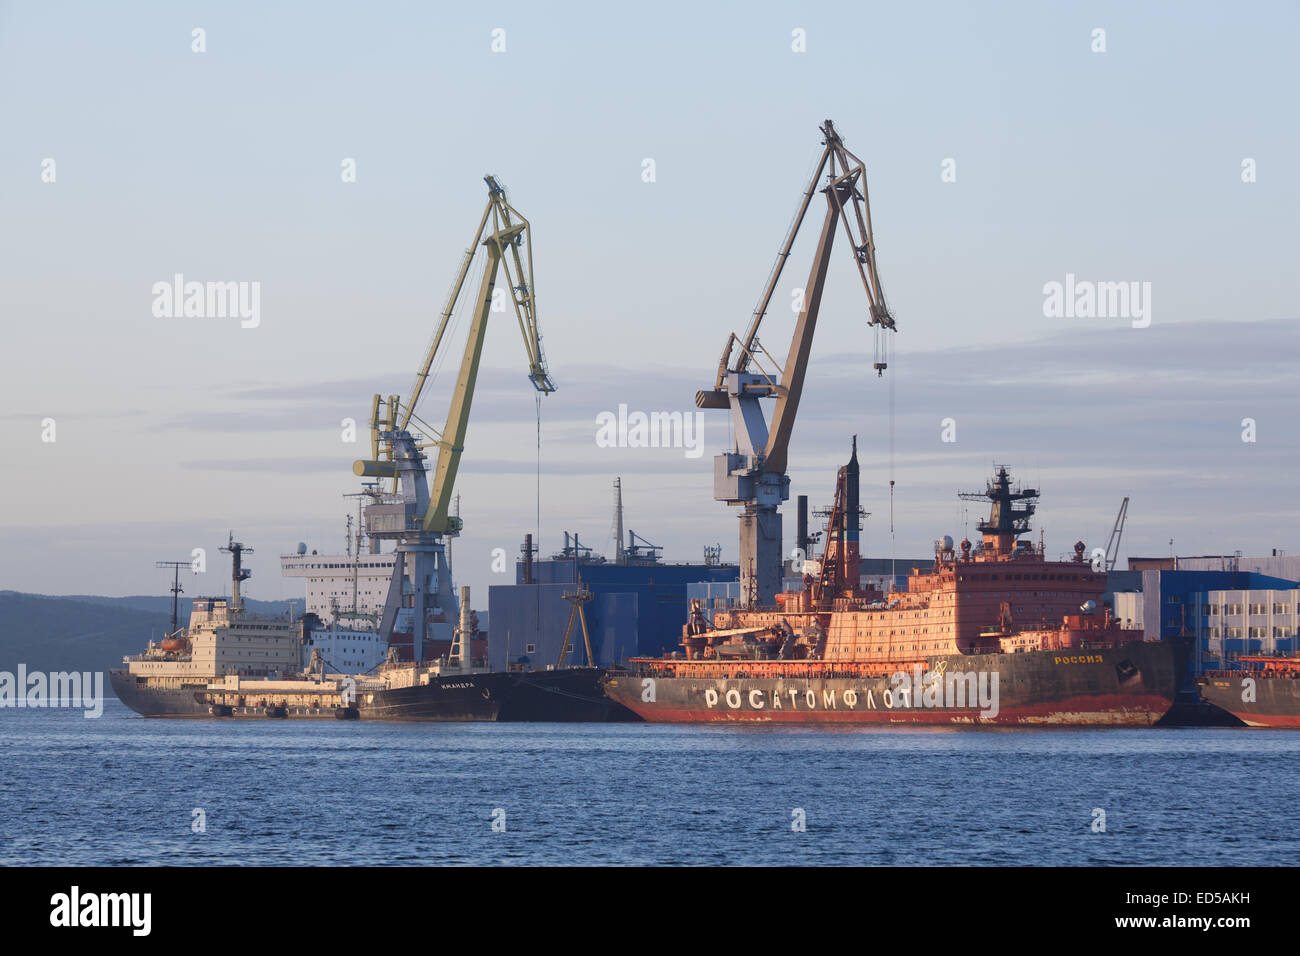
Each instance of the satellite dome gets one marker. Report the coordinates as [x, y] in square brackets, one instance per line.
[302, 547]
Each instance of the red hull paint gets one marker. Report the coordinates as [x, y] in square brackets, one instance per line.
[1275, 721]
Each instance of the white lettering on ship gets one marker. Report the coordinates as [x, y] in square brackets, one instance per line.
[953, 690]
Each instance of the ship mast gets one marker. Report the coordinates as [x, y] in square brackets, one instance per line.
[238, 573]
[841, 564]
[1006, 522]
[176, 588]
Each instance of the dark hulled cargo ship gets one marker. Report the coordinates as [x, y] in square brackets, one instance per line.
[570, 694]
[1264, 693]
[994, 634]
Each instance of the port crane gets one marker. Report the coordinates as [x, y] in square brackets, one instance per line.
[753, 475]
[1116, 533]
[416, 515]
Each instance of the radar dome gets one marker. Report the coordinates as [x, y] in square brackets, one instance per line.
[302, 547]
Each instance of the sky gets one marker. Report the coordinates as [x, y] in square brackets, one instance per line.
[1004, 151]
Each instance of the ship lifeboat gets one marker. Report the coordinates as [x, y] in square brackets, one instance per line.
[174, 644]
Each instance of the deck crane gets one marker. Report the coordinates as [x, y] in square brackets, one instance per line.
[416, 515]
[753, 476]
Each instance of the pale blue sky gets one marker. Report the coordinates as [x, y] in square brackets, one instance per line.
[225, 166]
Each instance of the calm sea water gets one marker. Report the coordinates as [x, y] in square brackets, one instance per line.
[123, 790]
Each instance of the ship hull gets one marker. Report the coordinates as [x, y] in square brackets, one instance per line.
[468, 697]
[567, 695]
[151, 700]
[1132, 685]
[1276, 700]
[571, 694]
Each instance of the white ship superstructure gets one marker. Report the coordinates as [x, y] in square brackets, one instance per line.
[335, 581]
[221, 639]
[347, 650]
[352, 592]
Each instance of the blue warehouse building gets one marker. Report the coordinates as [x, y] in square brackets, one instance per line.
[1229, 612]
[637, 608]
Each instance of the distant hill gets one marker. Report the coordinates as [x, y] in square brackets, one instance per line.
[87, 632]
[154, 602]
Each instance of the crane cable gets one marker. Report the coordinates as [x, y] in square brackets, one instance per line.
[537, 528]
[893, 570]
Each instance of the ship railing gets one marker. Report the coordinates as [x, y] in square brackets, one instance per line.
[1251, 672]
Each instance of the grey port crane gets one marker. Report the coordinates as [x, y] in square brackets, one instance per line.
[753, 475]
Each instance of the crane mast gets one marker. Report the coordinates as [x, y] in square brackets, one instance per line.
[753, 475]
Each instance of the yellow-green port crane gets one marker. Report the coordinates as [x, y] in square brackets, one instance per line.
[507, 238]
[416, 516]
